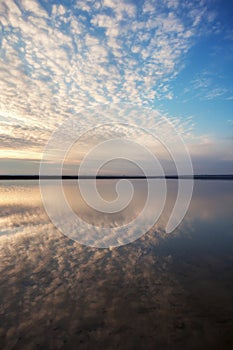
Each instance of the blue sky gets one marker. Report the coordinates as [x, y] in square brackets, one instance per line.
[60, 57]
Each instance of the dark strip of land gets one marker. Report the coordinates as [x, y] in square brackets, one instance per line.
[112, 177]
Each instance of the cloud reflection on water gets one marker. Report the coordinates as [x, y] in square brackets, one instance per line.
[57, 293]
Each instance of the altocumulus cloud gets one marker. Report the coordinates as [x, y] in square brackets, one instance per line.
[58, 59]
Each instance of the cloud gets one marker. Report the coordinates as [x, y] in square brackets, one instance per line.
[208, 86]
[60, 60]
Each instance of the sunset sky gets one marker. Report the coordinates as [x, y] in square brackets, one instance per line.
[61, 58]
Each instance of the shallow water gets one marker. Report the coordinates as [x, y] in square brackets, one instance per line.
[163, 291]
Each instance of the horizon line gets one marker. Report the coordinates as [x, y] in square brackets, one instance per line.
[106, 177]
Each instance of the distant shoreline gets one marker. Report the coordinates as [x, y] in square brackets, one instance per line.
[111, 177]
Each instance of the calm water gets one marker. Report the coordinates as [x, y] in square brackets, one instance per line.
[163, 291]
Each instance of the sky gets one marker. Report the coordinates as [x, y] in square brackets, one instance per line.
[60, 60]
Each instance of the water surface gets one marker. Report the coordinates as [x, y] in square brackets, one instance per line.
[163, 291]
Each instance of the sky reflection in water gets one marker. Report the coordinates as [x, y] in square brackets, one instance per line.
[161, 291]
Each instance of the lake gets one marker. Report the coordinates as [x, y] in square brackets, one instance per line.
[162, 291]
